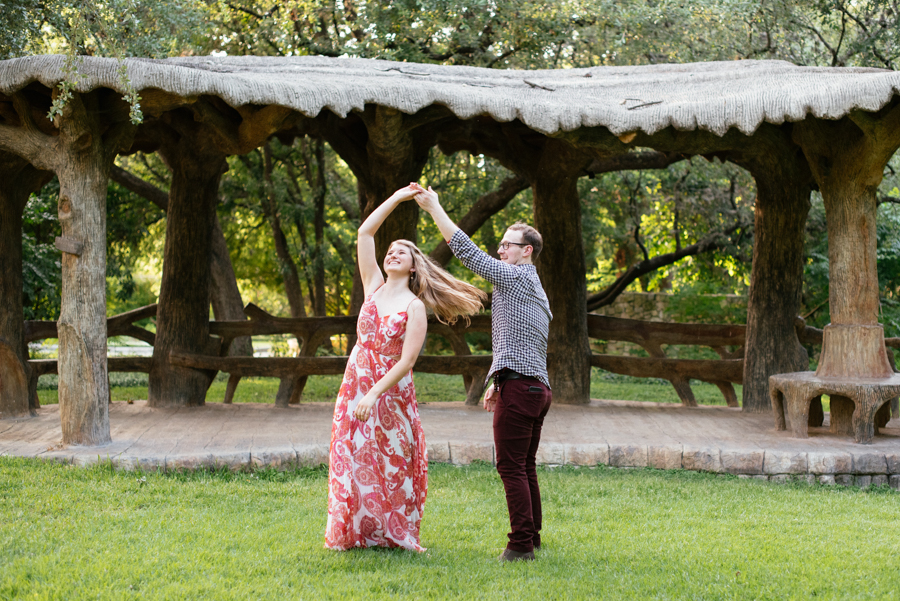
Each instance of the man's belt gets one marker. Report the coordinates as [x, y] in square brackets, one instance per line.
[505, 374]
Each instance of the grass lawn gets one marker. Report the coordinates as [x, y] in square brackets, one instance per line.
[75, 533]
[430, 388]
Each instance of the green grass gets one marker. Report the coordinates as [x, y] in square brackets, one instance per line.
[430, 388]
[74, 533]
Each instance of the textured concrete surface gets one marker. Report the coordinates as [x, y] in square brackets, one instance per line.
[617, 433]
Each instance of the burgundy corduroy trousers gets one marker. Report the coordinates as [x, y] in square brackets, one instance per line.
[518, 418]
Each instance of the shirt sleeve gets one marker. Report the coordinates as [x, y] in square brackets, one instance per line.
[497, 272]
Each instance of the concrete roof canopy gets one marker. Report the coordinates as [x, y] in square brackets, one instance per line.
[713, 96]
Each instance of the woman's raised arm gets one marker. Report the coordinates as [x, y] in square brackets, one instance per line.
[365, 242]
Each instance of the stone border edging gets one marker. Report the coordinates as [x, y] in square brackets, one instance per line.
[860, 469]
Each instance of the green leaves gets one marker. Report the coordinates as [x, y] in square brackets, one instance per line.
[110, 28]
[41, 275]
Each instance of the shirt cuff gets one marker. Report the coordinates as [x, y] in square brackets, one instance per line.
[459, 238]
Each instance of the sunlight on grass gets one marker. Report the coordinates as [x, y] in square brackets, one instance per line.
[69, 533]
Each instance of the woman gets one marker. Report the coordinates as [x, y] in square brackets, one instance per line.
[378, 472]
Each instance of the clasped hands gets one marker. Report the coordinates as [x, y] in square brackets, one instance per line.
[427, 199]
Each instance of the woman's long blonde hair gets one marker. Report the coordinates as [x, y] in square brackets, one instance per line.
[448, 297]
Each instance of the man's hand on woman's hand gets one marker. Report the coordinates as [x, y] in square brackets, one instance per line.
[403, 194]
[427, 199]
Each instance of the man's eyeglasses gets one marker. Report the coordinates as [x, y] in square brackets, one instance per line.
[505, 245]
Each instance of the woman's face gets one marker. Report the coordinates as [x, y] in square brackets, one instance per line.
[399, 260]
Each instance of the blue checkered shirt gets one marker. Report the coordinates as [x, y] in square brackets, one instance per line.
[520, 311]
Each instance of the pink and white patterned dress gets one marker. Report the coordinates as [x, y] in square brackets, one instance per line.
[378, 473]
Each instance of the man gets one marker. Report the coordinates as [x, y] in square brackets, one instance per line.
[519, 394]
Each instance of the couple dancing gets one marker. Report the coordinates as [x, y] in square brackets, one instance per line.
[378, 473]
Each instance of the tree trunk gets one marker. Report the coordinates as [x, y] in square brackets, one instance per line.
[850, 209]
[83, 171]
[319, 229]
[557, 216]
[80, 155]
[19, 180]
[226, 298]
[184, 296]
[394, 159]
[783, 183]
[83, 378]
[289, 274]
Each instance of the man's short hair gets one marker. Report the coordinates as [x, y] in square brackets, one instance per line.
[530, 236]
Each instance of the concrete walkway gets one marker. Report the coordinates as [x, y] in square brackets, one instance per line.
[616, 433]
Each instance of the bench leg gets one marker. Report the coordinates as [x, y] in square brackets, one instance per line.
[230, 388]
[727, 391]
[816, 413]
[285, 391]
[777, 398]
[842, 409]
[683, 389]
[797, 412]
[475, 388]
[882, 416]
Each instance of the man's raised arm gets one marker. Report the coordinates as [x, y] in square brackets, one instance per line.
[496, 272]
[428, 200]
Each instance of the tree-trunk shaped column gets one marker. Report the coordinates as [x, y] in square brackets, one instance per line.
[385, 149]
[194, 142]
[81, 154]
[396, 156]
[847, 159]
[18, 180]
[225, 296]
[783, 186]
[184, 294]
[557, 216]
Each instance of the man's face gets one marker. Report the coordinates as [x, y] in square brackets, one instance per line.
[516, 251]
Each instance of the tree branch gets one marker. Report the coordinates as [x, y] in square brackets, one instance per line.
[634, 161]
[27, 141]
[139, 186]
[637, 239]
[609, 294]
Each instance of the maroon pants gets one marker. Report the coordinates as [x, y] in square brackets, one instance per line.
[518, 418]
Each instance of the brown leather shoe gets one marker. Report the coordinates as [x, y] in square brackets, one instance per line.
[510, 555]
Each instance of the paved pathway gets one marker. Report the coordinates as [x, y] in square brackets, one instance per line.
[617, 433]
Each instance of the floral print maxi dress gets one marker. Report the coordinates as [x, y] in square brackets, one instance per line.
[378, 474]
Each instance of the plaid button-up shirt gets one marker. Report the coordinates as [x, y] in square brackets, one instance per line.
[520, 311]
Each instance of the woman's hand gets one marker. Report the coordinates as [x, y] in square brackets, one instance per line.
[369, 271]
[365, 406]
[404, 194]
